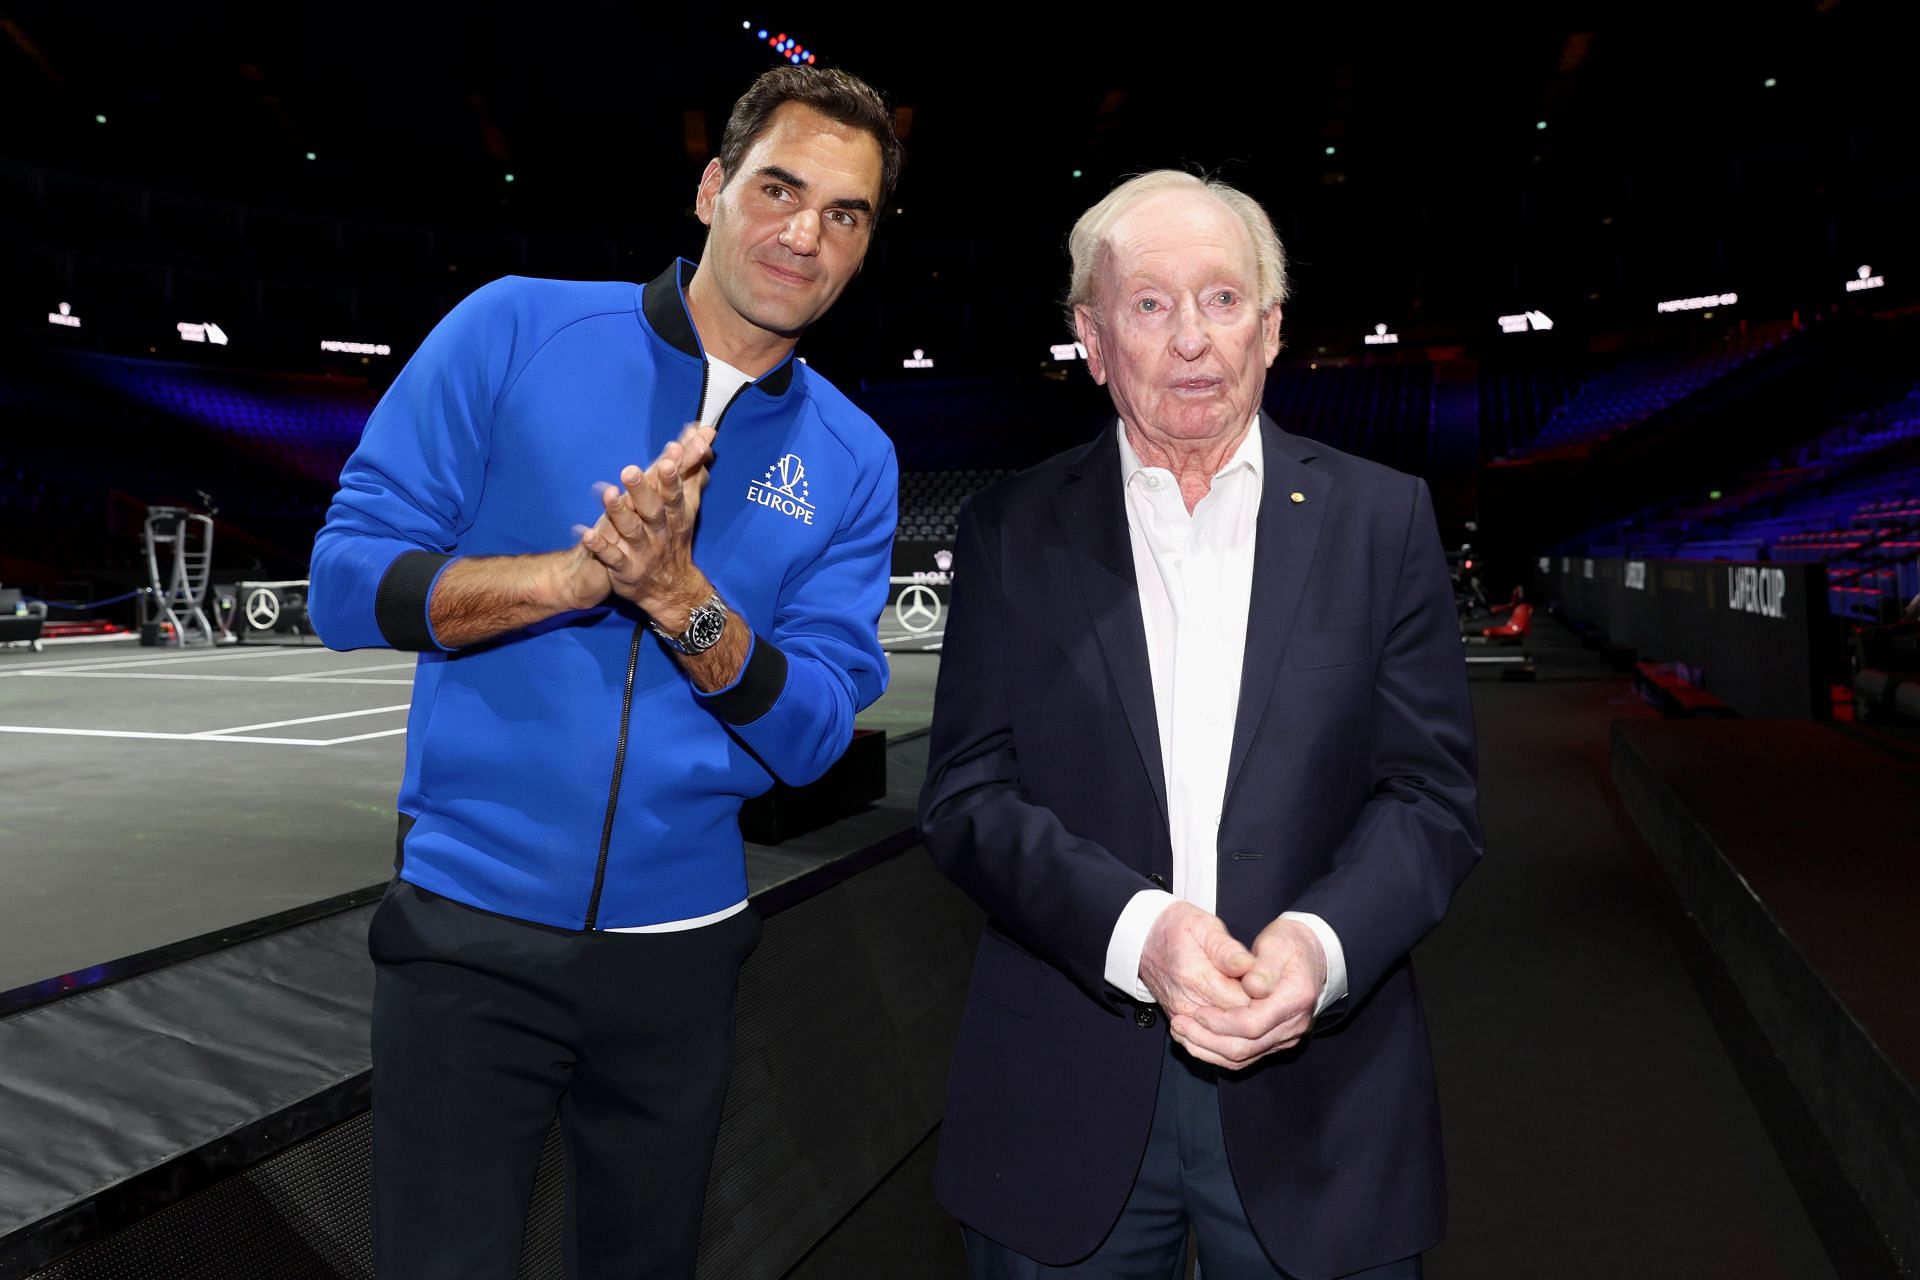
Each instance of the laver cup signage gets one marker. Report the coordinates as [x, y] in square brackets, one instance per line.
[1757, 590]
[1755, 632]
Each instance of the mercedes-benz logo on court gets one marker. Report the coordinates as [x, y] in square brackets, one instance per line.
[918, 608]
[263, 609]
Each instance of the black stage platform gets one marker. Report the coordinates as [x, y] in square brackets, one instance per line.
[1796, 848]
[159, 794]
[238, 1079]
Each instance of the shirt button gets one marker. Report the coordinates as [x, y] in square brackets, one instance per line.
[1145, 1015]
[1153, 482]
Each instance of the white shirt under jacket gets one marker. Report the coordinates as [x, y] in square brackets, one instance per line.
[1195, 578]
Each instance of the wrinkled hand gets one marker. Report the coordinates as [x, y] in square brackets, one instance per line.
[644, 539]
[1190, 962]
[1281, 988]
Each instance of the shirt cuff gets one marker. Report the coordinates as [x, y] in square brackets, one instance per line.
[1130, 939]
[1336, 984]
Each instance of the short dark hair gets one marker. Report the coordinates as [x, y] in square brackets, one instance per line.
[836, 95]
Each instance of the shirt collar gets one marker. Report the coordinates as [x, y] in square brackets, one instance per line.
[1250, 455]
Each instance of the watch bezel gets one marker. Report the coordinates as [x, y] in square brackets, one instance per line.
[710, 616]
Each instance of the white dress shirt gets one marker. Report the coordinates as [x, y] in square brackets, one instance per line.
[1195, 578]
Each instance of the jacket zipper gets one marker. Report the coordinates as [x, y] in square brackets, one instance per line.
[626, 699]
[613, 791]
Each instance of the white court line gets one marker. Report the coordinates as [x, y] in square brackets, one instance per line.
[190, 675]
[77, 664]
[362, 737]
[324, 676]
[281, 724]
[195, 737]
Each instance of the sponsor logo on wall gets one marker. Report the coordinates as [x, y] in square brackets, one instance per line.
[1755, 590]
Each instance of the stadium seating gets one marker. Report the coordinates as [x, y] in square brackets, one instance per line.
[1848, 497]
[1640, 387]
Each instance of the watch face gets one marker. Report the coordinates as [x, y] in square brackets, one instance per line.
[704, 628]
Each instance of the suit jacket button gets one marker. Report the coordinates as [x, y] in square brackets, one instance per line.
[1145, 1015]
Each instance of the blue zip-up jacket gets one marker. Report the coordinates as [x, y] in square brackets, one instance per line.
[570, 773]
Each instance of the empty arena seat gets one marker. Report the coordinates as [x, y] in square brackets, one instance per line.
[1517, 626]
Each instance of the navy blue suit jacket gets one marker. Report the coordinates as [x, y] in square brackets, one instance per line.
[1350, 793]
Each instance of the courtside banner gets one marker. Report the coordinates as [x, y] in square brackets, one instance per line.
[1757, 633]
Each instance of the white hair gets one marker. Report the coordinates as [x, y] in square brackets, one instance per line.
[1087, 242]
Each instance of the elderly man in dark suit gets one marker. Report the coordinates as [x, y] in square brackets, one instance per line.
[1202, 749]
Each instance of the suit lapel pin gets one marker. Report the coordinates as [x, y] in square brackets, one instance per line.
[1298, 496]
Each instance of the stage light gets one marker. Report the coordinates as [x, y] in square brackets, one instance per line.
[1770, 82]
[762, 35]
[1329, 150]
[64, 317]
[746, 26]
[312, 156]
[1539, 124]
[99, 119]
[1076, 173]
[509, 177]
[1381, 338]
[1713, 495]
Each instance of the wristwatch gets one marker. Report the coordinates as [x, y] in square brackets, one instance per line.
[704, 627]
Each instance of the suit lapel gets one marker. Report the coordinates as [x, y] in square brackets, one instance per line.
[1288, 533]
[1091, 510]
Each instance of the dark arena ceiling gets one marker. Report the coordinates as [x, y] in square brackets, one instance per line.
[1429, 173]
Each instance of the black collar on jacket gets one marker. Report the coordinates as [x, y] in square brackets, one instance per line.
[665, 303]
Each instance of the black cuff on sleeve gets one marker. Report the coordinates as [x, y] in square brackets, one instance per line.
[758, 687]
[400, 605]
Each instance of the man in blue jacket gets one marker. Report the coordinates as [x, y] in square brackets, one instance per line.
[592, 705]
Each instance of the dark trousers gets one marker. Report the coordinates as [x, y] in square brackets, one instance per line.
[1184, 1182]
[486, 1028]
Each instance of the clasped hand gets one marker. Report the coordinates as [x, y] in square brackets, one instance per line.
[641, 547]
[1228, 1004]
